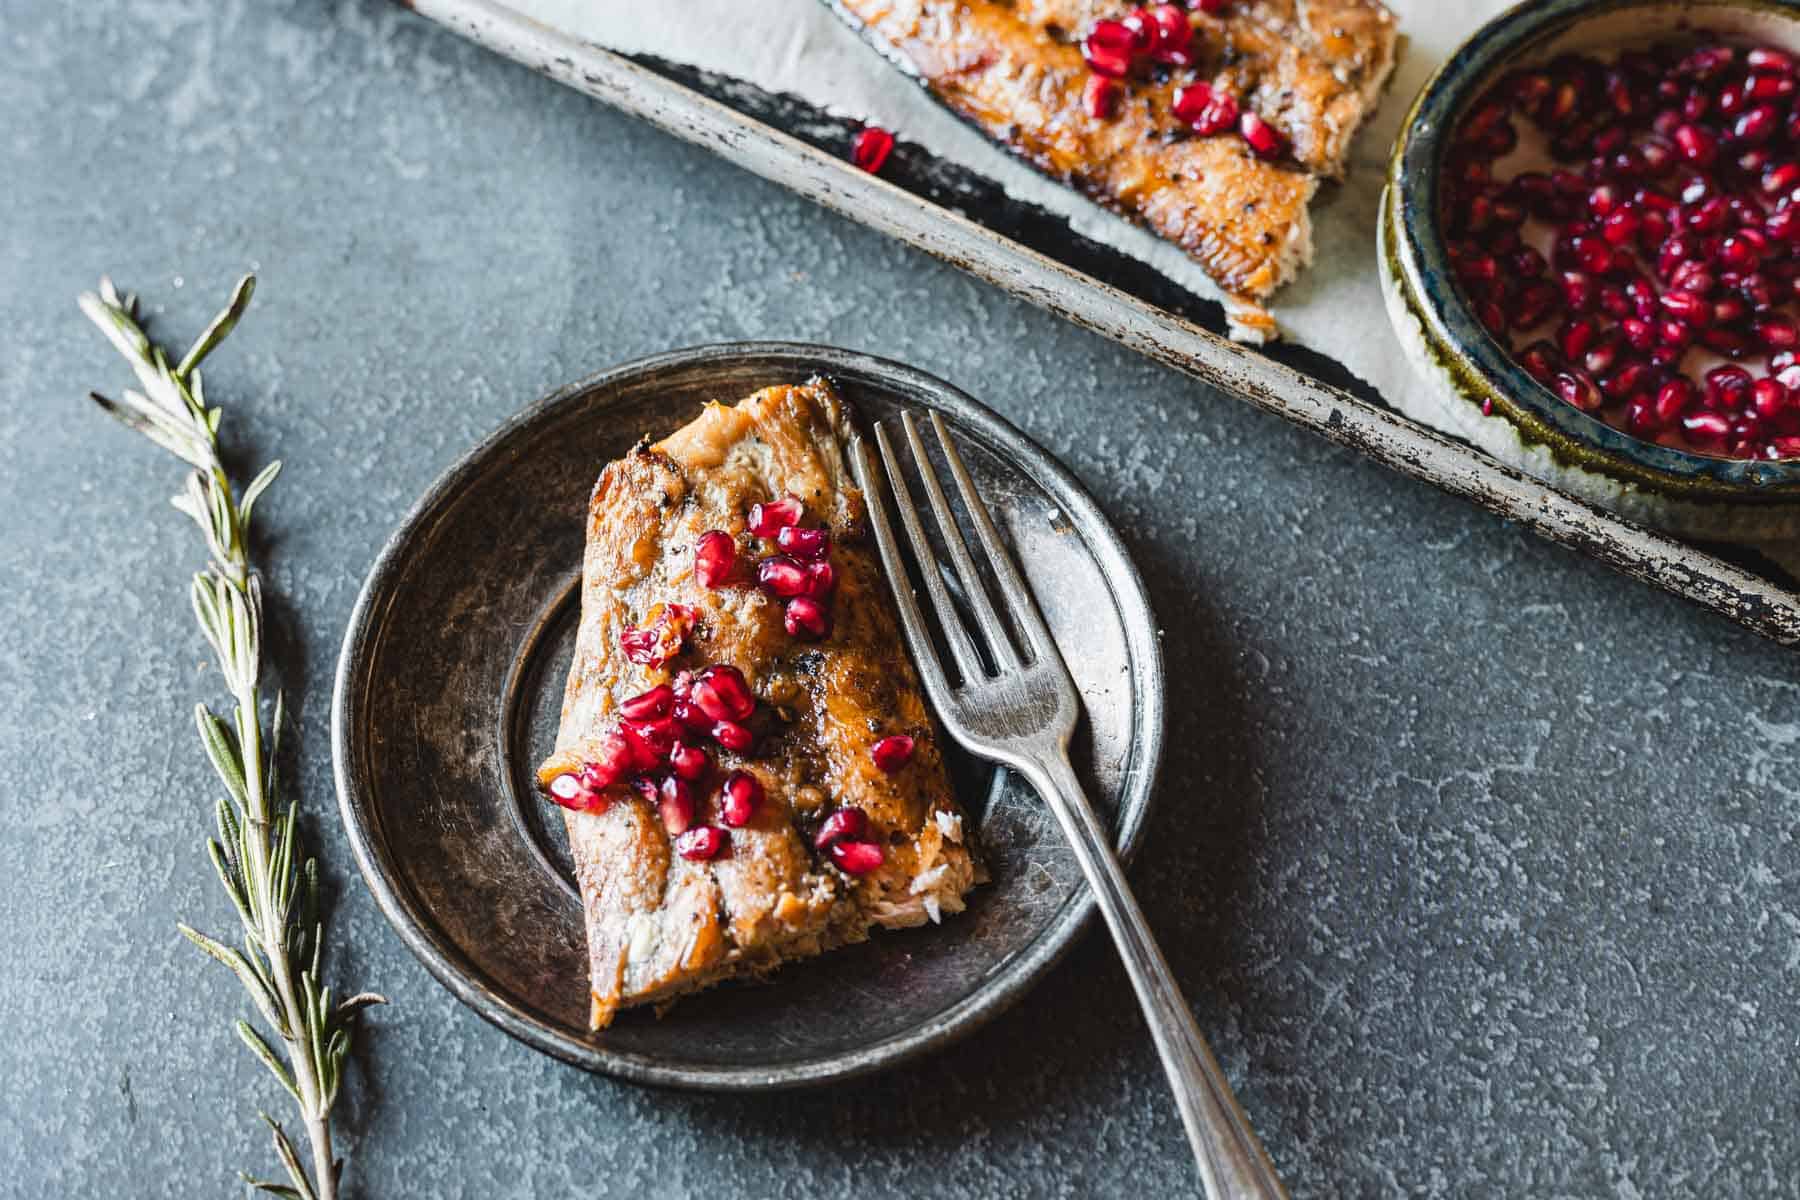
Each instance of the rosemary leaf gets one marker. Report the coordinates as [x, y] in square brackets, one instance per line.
[261, 1049]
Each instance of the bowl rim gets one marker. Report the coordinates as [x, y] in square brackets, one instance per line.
[1484, 371]
[998, 990]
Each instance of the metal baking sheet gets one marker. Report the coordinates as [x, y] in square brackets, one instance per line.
[960, 217]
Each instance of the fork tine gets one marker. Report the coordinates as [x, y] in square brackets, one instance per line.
[1019, 599]
[968, 662]
[912, 621]
[999, 641]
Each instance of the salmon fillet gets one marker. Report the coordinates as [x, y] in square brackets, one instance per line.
[1313, 69]
[660, 924]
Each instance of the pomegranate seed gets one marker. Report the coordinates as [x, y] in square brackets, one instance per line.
[611, 766]
[714, 556]
[1639, 334]
[1695, 277]
[892, 752]
[654, 644]
[1757, 125]
[647, 706]
[1210, 7]
[1629, 380]
[702, 844]
[1675, 332]
[733, 736]
[687, 714]
[1540, 360]
[1640, 415]
[870, 147]
[1768, 87]
[650, 741]
[1767, 58]
[772, 516]
[1784, 226]
[1479, 271]
[1784, 447]
[1686, 306]
[1727, 387]
[1602, 354]
[1777, 333]
[1575, 337]
[1673, 399]
[843, 824]
[857, 858]
[722, 694]
[783, 576]
[1696, 146]
[1620, 227]
[688, 762]
[1528, 263]
[1731, 99]
[1768, 398]
[675, 804]
[1740, 252]
[742, 793]
[1143, 32]
[1728, 342]
[1728, 310]
[1577, 290]
[1109, 47]
[1172, 31]
[1100, 98]
[1706, 426]
[1217, 117]
[1262, 137]
[1533, 303]
[568, 791]
[1644, 301]
[1708, 216]
[803, 543]
[1578, 390]
[806, 618]
[1657, 155]
[821, 579]
[1190, 101]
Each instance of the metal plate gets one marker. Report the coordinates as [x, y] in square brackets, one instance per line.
[450, 682]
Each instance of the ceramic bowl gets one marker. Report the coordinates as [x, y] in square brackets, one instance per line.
[1482, 394]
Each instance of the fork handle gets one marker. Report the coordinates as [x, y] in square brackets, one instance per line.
[1232, 1161]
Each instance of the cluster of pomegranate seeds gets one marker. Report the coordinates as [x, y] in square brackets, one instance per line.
[1162, 34]
[800, 573]
[870, 146]
[1672, 224]
[659, 750]
[844, 836]
[892, 752]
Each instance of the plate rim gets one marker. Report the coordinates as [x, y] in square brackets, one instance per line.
[993, 995]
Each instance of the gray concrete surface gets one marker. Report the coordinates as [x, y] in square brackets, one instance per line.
[1478, 861]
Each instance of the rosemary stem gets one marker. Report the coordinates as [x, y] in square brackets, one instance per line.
[258, 855]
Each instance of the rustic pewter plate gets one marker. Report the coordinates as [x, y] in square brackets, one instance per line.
[450, 683]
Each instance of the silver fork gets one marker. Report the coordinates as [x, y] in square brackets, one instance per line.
[1023, 715]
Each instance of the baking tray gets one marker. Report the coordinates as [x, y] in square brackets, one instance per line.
[959, 217]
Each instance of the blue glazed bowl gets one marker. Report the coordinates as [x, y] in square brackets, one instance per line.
[1487, 397]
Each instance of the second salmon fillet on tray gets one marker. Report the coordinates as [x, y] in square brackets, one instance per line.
[1212, 126]
[748, 767]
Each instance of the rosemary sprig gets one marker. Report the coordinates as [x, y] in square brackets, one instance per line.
[266, 871]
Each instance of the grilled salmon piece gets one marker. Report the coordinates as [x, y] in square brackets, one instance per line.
[660, 924]
[1313, 69]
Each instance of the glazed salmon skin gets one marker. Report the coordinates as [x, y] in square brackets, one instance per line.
[741, 787]
[1312, 69]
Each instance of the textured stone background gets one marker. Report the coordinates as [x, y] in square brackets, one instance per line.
[1478, 861]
